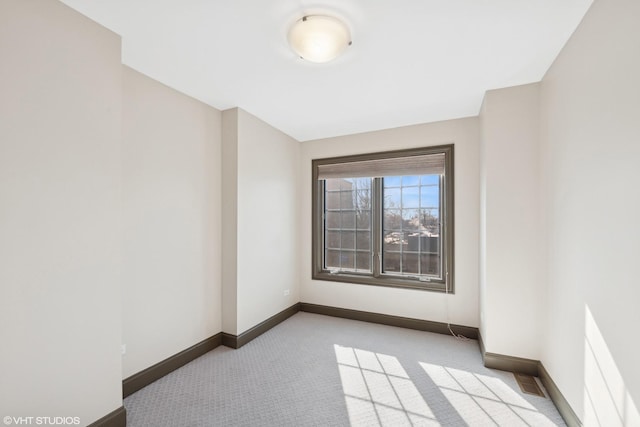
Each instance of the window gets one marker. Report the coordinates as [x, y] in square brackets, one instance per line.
[385, 218]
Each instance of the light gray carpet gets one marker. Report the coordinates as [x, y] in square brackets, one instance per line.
[314, 370]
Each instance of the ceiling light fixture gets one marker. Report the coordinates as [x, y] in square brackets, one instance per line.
[319, 38]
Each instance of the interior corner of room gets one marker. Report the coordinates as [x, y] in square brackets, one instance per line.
[140, 227]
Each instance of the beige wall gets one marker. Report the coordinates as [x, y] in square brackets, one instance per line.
[590, 109]
[511, 286]
[461, 308]
[172, 222]
[265, 238]
[60, 216]
[230, 221]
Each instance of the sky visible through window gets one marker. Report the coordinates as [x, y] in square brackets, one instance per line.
[409, 192]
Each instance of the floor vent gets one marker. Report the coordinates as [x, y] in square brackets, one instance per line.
[528, 384]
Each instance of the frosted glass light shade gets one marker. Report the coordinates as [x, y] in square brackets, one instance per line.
[319, 38]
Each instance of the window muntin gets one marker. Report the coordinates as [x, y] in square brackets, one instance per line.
[385, 218]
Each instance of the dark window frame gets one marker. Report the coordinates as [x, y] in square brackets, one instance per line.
[376, 278]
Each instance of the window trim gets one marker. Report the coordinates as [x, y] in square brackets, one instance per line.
[318, 273]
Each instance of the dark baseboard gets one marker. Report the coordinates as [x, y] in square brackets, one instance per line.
[558, 399]
[237, 341]
[511, 364]
[507, 363]
[145, 377]
[385, 319]
[229, 340]
[117, 418]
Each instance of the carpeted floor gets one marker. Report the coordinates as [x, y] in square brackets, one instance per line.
[314, 370]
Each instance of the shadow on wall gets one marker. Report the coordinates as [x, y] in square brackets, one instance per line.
[607, 401]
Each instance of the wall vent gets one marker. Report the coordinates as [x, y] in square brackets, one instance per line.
[528, 384]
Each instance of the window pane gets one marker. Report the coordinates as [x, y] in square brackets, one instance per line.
[348, 240]
[411, 197]
[392, 181]
[392, 219]
[348, 219]
[363, 220]
[347, 183]
[431, 244]
[392, 197]
[363, 199]
[363, 183]
[333, 239]
[391, 262]
[430, 264]
[347, 200]
[430, 197]
[347, 260]
[410, 180]
[333, 220]
[410, 263]
[393, 241]
[332, 259]
[363, 240]
[410, 219]
[333, 200]
[332, 184]
[430, 217]
[429, 179]
[414, 241]
[363, 261]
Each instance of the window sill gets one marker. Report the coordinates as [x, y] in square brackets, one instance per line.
[387, 281]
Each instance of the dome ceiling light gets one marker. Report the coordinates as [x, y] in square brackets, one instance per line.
[319, 38]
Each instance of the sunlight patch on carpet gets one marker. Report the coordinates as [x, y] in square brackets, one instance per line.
[378, 391]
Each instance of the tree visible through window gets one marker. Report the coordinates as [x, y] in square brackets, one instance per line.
[385, 218]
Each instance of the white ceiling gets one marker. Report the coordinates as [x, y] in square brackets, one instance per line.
[412, 61]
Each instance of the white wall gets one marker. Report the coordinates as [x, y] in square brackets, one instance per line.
[463, 306]
[512, 268]
[60, 216]
[172, 222]
[590, 108]
[267, 219]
